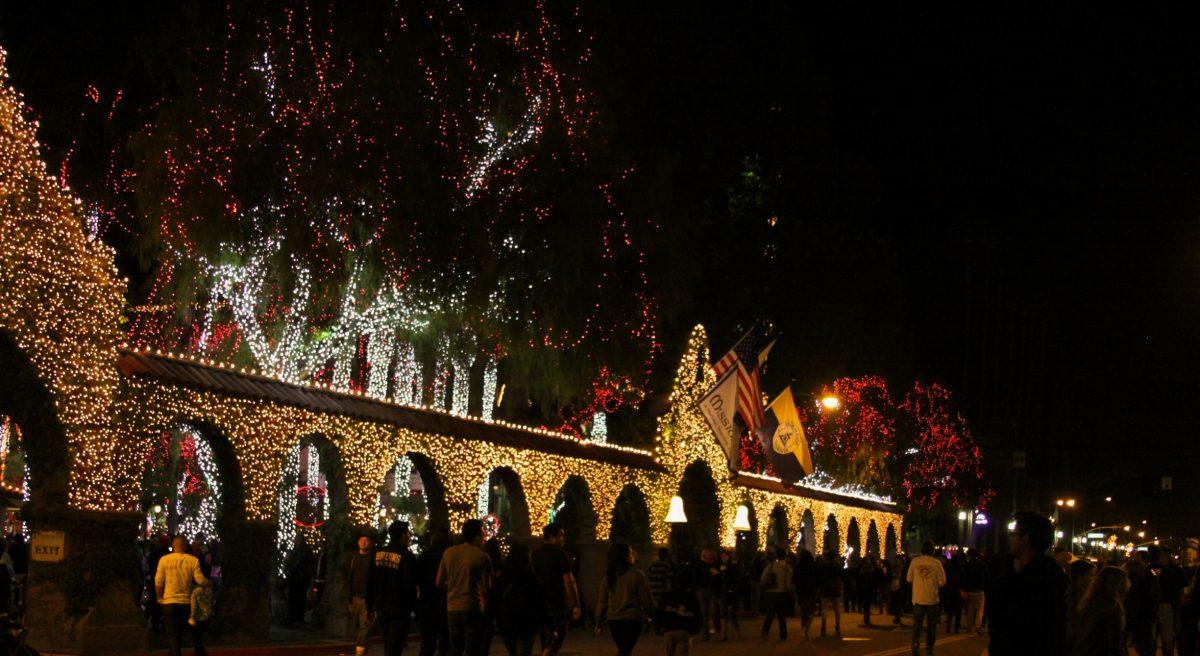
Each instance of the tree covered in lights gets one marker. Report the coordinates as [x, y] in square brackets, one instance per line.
[855, 443]
[371, 196]
[944, 465]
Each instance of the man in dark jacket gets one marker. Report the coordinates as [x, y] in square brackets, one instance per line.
[393, 589]
[1027, 600]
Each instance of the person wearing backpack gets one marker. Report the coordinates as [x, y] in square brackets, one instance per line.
[777, 594]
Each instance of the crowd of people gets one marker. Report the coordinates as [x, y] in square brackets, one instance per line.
[464, 596]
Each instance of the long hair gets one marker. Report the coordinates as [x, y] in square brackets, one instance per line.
[1107, 590]
[618, 564]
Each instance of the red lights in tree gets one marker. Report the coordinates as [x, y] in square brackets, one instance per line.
[947, 465]
[856, 441]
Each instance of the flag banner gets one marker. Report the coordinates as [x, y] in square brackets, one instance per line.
[782, 437]
[719, 406]
[747, 358]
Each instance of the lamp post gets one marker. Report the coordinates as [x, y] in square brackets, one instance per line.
[1068, 504]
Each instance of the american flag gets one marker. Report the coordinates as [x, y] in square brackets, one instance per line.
[747, 355]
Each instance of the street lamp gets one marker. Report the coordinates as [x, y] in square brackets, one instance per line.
[831, 402]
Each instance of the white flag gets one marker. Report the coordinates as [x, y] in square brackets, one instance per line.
[720, 407]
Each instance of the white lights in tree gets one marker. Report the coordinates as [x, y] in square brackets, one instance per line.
[488, 408]
[204, 520]
[379, 354]
[461, 390]
[286, 535]
[481, 498]
[407, 374]
[599, 428]
[496, 146]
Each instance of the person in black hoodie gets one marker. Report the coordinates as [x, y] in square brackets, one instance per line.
[431, 600]
[518, 602]
[1027, 610]
[393, 589]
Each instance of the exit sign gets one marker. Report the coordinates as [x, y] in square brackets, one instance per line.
[47, 546]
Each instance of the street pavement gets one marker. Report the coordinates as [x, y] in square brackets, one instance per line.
[879, 640]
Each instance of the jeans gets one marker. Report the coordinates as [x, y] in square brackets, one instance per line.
[975, 610]
[393, 627]
[836, 604]
[175, 623]
[625, 634]
[774, 607]
[896, 602]
[466, 629]
[953, 609]
[805, 607]
[518, 642]
[679, 643]
[928, 615]
[360, 621]
[710, 610]
[435, 636]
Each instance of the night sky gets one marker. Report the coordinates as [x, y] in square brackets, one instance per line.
[1002, 200]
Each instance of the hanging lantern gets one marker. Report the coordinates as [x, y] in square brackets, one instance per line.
[675, 514]
[742, 521]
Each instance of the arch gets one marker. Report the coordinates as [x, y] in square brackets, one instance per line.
[806, 537]
[703, 509]
[853, 539]
[27, 400]
[873, 540]
[506, 501]
[214, 464]
[631, 519]
[778, 534]
[431, 512]
[573, 510]
[891, 543]
[833, 538]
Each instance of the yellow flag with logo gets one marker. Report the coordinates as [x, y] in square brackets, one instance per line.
[782, 437]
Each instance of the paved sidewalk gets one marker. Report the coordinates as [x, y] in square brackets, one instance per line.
[878, 640]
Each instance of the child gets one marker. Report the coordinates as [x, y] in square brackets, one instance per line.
[202, 611]
[679, 619]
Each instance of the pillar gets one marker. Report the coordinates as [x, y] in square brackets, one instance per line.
[87, 602]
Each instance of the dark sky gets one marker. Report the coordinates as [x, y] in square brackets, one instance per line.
[1000, 199]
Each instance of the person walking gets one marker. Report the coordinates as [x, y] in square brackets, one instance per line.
[1026, 607]
[927, 576]
[867, 586]
[392, 592]
[624, 599]
[830, 594]
[1141, 604]
[952, 594]
[1170, 583]
[560, 592]
[465, 575]
[660, 573]
[708, 593]
[431, 600]
[173, 580]
[1079, 578]
[806, 582]
[777, 595]
[732, 586]
[896, 587]
[974, 582]
[1101, 612]
[518, 602]
[357, 576]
